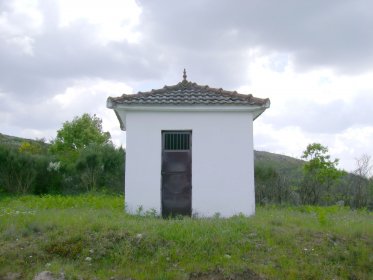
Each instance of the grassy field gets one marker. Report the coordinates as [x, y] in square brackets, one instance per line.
[90, 237]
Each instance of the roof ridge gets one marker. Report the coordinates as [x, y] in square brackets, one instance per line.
[187, 92]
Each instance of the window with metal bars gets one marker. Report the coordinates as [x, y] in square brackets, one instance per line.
[176, 140]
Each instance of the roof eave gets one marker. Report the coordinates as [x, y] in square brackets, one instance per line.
[188, 108]
[264, 107]
[110, 104]
[121, 109]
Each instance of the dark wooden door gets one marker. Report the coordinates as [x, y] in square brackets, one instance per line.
[176, 173]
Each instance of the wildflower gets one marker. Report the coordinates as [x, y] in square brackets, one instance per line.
[54, 166]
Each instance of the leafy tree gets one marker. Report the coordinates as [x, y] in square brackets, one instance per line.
[78, 134]
[320, 172]
[89, 159]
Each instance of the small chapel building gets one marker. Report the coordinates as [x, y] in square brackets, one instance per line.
[189, 149]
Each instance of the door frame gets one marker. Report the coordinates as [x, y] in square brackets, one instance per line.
[163, 133]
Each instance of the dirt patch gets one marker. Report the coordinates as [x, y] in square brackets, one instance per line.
[218, 274]
[11, 276]
[47, 275]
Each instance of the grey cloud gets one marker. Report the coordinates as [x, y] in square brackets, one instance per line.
[209, 38]
[330, 118]
[48, 114]
[335, 33]
[23, 115]
[61, 56]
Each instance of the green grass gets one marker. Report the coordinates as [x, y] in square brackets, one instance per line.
[90, 236]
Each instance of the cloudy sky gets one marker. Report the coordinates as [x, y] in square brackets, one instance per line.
[313, 59]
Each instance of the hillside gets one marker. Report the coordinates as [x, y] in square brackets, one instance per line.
[16, 141]
[289, 166]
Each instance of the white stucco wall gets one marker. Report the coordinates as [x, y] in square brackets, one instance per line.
[222, 160]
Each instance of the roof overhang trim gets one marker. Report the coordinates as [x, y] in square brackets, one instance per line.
[122, 109]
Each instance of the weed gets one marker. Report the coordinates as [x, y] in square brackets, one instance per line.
[140, 210]
[321, 216]
[69, 248]
[151, 213]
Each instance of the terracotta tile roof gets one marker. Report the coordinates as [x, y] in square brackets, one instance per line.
[188, 93]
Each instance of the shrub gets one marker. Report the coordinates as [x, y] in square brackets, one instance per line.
[99, 166]
[17, 170]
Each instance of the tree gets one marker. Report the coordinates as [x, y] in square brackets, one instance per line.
[270, 186]
[89, 159]
[78, 134]
[100, 166]
[264, 178]
[17, 170]
[320, 172]
[360, 182]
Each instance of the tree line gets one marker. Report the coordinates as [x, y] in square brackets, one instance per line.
[321, 183]
[81, 158]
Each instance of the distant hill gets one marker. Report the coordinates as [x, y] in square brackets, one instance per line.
[289, 166]
[17, 141]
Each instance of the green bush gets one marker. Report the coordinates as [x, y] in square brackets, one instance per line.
[100, 166]
[17, 170]
[31, 169]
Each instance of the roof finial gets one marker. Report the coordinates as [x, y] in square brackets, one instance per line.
[184, 75]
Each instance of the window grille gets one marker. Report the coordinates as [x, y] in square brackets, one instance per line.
[176, 140]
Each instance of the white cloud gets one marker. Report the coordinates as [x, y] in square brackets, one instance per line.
[115, 20]
[20, 21]
[316, 106]
[287, 140]
[84, 94]
[347, 145]
[321, 85]
[24, 43]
